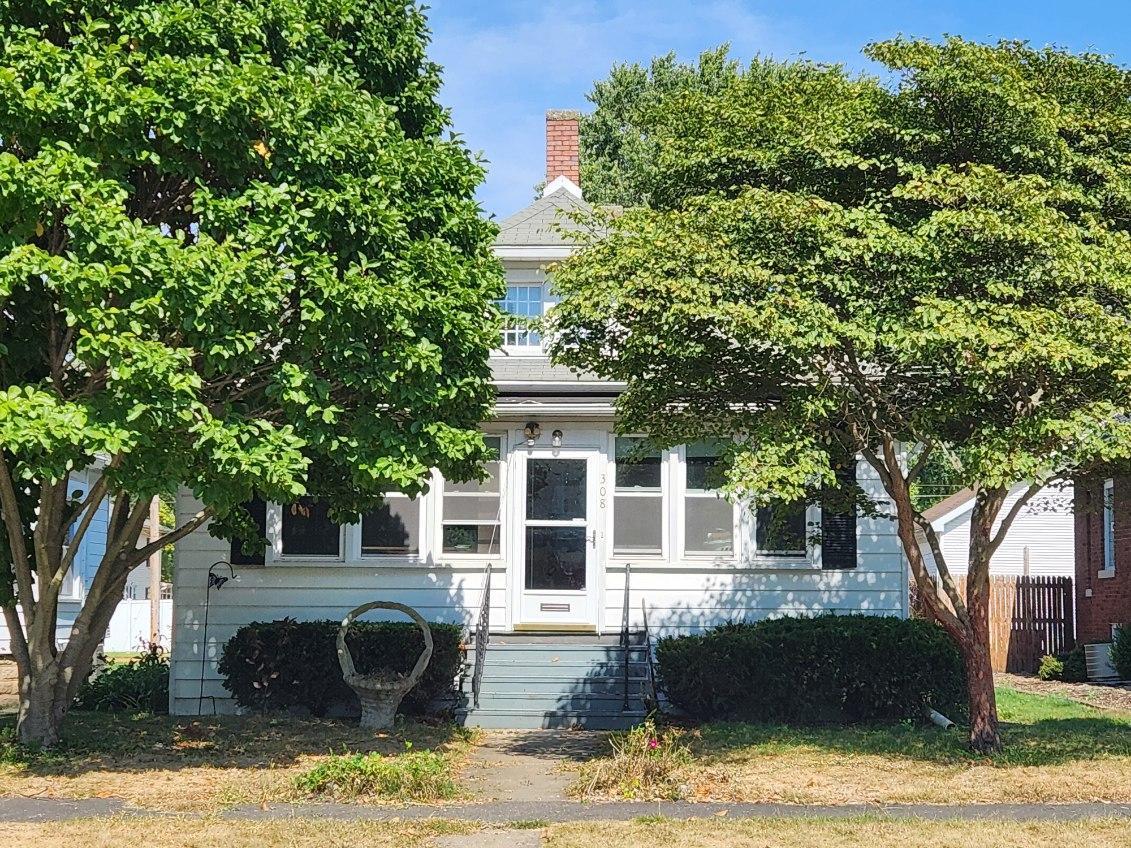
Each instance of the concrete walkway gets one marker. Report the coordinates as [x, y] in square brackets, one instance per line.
[517, 810]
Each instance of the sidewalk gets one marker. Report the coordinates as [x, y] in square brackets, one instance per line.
[501, 812]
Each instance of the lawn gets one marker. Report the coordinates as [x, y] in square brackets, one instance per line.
[1056, 750]
[209, 763]
[173, 832]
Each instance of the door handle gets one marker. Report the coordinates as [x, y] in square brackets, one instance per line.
[591, 538]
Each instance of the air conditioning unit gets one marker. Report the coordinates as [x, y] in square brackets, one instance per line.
[1100, 668]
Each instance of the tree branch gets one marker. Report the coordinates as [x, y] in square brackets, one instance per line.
[945, 577]
[21, 566]
[143, 553]
[920, 462]
[1011, 516]
[87, 509]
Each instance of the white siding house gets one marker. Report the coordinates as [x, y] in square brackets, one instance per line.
[1038, 544]
[569, 513]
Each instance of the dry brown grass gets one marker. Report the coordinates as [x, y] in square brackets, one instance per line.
[852, 833]
[173, 832]
[1056, 751]
[199, 765]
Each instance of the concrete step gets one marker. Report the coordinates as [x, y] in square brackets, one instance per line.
[557, 686]
[566, 701]
[533, 719]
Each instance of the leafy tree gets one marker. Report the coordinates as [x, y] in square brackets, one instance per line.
[833, 263]
[238, 253]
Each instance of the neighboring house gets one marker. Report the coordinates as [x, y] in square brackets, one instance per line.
[1103, 557]
[569, 517]
[129, 628]
[1039, 542]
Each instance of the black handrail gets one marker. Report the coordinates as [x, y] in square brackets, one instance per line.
[624, 633]
[652, 694]
[482, 637]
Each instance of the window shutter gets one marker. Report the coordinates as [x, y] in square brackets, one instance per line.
[838, 525]
[257, 509]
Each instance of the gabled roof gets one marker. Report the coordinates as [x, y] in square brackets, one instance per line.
[542, 222]
[948, 505]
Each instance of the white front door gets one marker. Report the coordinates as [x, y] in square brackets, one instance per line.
[557, 543]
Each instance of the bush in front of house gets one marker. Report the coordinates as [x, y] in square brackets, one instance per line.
[287, 664]
[1070, 667]
[1051, 668]
[137, 686]
[1121, 651]
[828, 669]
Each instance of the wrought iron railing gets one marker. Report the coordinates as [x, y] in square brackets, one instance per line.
[652, 698]
[482, 636]
[626, 633]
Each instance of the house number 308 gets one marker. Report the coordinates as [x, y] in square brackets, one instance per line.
[602, 492]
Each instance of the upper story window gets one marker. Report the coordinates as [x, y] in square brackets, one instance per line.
[523, 300]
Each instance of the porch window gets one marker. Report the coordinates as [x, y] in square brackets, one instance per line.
[393, 528]
[638, 499]
[1109, 526]
[708, 526]
[308, 531]
[523, 301]
[779, 529]
[471, 513]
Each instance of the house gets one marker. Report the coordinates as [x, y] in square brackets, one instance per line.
[1103, 564]
[578, 530]
[1039, 542]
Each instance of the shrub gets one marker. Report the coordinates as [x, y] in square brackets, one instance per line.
[831, 668]
[646, 762]
[1051, 668]
[412, 776]
[1121, 651]
[139, 686]
[281, 665]
[1075, 666]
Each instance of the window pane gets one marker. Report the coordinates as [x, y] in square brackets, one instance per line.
[481, 539]
[780, 528]
[703, 471]
[555, 558]
[555, 489]
[709, 525]
[524, 301]
[636, 470]
[251, 552]
[637, 525]
[472, 508]
[307, 530]
[392, 528]
[491, 484]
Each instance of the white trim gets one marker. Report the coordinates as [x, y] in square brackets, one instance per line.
[533, 252]
[560, 182]
[1108, 529]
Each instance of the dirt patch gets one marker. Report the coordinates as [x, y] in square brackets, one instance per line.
[1092, 694]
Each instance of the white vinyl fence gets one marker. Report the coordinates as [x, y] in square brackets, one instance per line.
[129, 628]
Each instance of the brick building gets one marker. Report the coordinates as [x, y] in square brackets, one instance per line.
[1103, 557]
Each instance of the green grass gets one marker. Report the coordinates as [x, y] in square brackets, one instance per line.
[411, 776]
[1036, 730]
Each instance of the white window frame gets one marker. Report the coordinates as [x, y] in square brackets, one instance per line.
[442, 494]
[667, 459]
[275, 536]
[529, 278]
[810, 559]
[683, 493]
[1108, 528]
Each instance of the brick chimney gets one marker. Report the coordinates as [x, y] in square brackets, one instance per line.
[562, 146]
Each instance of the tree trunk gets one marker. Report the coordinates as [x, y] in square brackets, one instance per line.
[41, 712]
[984, 737]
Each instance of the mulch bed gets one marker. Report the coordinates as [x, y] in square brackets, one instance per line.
[1093, 694]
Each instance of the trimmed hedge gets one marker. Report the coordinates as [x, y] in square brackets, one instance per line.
[288, 664]
[829, 669]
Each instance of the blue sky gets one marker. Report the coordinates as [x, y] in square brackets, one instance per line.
[507, 61]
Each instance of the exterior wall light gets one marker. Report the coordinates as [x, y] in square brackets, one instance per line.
[532, 431]
[556, 438]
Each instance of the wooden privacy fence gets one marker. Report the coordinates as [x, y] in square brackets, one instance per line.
[1029, 617]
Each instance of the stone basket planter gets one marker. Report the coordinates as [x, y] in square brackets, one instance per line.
[381, 693]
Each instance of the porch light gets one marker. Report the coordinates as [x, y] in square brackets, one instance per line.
[556, 438]
[532, 431]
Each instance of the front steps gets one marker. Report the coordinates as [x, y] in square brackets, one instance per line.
[553, 681]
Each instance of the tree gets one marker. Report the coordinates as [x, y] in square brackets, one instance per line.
[936, 266]
[238, 253]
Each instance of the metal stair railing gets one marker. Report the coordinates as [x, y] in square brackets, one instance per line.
[482, 637]
[625, 633]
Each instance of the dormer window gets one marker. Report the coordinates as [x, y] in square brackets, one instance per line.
[523, 300]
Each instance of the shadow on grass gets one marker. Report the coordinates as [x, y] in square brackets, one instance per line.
[1036, 731]
[115, 742]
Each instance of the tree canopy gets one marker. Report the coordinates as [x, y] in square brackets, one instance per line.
[239, 252]
[827, 261]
